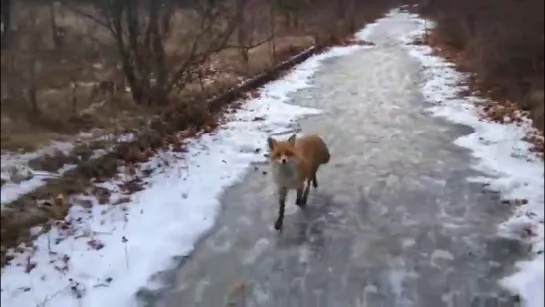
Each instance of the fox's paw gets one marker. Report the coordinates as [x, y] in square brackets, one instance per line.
[300, 202]
[278, 225]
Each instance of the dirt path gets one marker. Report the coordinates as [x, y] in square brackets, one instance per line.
[394, 222]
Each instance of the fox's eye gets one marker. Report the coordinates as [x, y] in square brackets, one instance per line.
[289, 154]
[275, 156]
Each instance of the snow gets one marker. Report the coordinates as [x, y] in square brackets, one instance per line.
[16, 165]
[10, 159]
[11, 190]
[109, 252]
[501, 153]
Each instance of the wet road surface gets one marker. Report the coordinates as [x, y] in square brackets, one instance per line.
[394, 221]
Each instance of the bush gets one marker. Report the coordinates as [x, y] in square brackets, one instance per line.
[502, 39]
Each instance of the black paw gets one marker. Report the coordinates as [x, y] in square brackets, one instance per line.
[278, 225]
[315, 184]
[300, 202]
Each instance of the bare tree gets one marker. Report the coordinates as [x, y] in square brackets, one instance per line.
[33, 64]
[58, 33]
[248, 31]
[272, 30]
[291, 10]
[6, 23]
[141, 29]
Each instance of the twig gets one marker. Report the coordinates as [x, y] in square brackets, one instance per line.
[49, 243]
[124, 240]
[294, 130]
[91, 17]
[251, 46]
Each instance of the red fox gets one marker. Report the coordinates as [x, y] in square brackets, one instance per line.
[293, 162]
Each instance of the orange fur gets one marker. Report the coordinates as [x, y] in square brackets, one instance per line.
[295, 162]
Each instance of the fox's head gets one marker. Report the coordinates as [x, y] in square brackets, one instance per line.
[283, 152]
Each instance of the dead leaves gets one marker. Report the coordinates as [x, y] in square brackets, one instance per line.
[102, 194]
[506, 112]
[510, 112]
[503, 112]
[135, 155]
[29, 266]
[132, 186]
[122, 200]
[515, 202]
[95, 244]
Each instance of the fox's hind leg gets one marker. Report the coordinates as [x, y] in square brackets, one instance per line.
[305, 193]
[314, 180]
[299, 198]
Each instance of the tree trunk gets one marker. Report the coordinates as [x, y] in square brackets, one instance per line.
[245, 59]
[244, 42]
[55, 35]
[6, 24]
[74, 97]
[33, 63]
[32, 87]
[351, 16]
[295, 20]
[159, 89]
[272, 26]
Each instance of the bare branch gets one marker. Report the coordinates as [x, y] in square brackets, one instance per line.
[97, 20]
[250, 46]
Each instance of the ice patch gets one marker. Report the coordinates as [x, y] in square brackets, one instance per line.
[500, 151]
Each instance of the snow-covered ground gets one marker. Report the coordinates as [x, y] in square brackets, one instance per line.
[502, 153]
[21, 179]
[105, 254]
[11, 190]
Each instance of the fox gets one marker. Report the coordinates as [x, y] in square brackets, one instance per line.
[294, 162]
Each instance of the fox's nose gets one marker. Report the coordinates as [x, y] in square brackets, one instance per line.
[283, 160]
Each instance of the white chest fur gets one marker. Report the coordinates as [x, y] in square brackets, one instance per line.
[285, 175]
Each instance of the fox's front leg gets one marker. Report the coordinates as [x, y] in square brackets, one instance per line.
[282, 193]
[299, 198]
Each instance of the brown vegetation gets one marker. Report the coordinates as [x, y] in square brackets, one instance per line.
[501, 41]
[147, 67]
[95, 64]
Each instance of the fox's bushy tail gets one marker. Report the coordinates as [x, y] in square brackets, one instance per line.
[326, 158]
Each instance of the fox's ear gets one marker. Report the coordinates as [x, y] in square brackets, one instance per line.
[291, 140]
[271, 142]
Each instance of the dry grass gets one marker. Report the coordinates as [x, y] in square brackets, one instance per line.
[67, 105]
[498, 108]
[501, 41]
[21, 129]
[67, 76]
